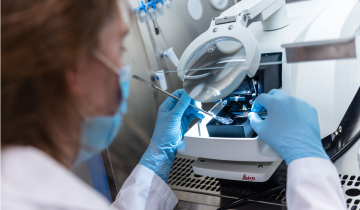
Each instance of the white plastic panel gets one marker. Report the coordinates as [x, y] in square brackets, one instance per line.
[327, 85]
[198, 143]
[330, 85]
[235, 170]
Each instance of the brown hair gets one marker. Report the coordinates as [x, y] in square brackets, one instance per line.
[39, 39]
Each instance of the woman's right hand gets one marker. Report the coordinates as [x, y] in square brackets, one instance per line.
[174, 117]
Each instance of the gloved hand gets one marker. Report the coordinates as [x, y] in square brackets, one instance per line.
[174, 117]
[291, 127]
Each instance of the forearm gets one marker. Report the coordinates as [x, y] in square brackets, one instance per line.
[145, 190]
[313, 183]
[159, 160]
[174, 117]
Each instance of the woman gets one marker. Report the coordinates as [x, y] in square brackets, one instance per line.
[64, 90]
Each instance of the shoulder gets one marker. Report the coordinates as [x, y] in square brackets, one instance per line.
[32, 179]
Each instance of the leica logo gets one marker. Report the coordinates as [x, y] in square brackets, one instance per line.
[248, 178]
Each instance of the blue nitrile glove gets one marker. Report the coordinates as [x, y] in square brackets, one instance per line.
[291, 127]
[174, 117]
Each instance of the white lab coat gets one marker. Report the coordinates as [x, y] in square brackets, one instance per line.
[31, 180]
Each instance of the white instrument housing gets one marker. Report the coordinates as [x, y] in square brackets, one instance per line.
[328, 85]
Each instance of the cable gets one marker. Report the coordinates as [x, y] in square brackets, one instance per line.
[156, 28]
[162, 34]
[246, 198]
[153, 46]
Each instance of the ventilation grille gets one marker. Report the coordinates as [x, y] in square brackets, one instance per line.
[183, 178]
[351, 182]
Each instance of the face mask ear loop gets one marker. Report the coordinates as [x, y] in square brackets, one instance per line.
[105, 61]
[77, 107]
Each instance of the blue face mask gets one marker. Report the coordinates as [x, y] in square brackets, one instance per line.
[99, 131]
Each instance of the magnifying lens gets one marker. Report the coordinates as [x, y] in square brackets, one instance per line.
[217, 61]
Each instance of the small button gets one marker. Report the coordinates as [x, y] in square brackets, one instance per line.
[357, 184]
[358, 178]
[349, 183]
[345, 176]
[348, 200]
[357, 201]
[352, 177]
[353, 207]
[342, 182]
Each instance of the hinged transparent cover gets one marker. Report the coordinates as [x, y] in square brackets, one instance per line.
[215, 70]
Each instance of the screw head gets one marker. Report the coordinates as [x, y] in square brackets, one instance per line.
[340, 129]
[231, 27]
[215, 30]
[251, 102]
[336, 133]
[211, 49]
[260, 166]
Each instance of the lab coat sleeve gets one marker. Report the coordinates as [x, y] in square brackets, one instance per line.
[313, 183]
[144, 190]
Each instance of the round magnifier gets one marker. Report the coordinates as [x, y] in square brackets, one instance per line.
[213, 69]
[217, 62]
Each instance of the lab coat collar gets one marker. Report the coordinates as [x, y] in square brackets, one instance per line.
[33, 177]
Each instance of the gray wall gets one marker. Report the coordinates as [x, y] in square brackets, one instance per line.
[179, 29]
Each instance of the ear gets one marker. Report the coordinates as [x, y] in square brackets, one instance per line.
[75, 75]
[75, 81]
